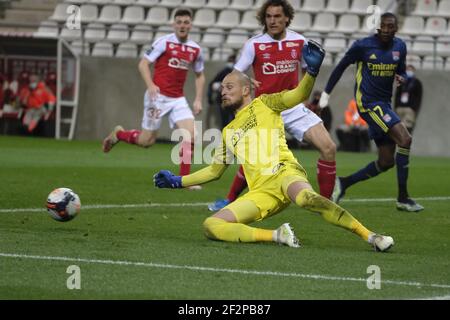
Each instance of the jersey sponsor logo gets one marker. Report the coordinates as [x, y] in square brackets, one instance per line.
[283, 66]
[179, 64]
[373, 57]
[290, 44]
[396, 55]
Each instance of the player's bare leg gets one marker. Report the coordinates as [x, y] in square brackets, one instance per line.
[319, 137]
[304, 196]
[187, 148]
[142, 138]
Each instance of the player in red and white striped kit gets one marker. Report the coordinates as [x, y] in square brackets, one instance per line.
[275, 56]
[172, 55]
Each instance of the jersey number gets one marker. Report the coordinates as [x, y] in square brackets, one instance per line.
[154, 113]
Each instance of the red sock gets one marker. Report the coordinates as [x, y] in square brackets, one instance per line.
[239, 184]
[128, 136]
[185, 158]
[326, 175]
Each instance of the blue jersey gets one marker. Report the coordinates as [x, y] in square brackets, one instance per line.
[377, 66]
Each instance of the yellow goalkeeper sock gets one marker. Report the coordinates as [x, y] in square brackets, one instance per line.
[331, 212]
[219, 229]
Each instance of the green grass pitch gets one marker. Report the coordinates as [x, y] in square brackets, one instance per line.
[133, 241]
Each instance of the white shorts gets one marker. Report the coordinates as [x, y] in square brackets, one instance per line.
[298, 120]
[154, 110]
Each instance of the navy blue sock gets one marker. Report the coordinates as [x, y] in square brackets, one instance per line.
[402, 162]
[368, 172]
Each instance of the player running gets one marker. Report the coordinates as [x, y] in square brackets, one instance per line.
[172, 55]
[275, 56]
[380, 60]
[273, 184]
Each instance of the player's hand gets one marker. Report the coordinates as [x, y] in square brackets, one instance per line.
[197, 107]
[153, 92]
[166, 179]
[313, 53]
[324, 99]
[256, 84]
[399, 80]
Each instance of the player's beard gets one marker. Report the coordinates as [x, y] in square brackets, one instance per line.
[233, 106]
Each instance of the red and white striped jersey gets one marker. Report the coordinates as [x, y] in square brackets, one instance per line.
[172, 59]
[275, 62]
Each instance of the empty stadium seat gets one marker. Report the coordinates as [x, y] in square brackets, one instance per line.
[432, 63]
[236, 38]
[414, 60]
[47, 29]
[195, 34]
[335, 42]
[60, 12]
[302, 22]
[89, 13]
[360, 6]
[77, 47]
[444, 9]
[228, 19]
[123, 2]
[70, 34]
[213, 37]
[413, 25]
[126, 50]
[218, 4]
[316, 36]
[170, 3]
[103, 49]
[221, 54]
[348, 23]
[142, 34]
[157, 16]
[110, 14]
[163, 31]
[206, 54]
[435, 26]
[133, 15]
[204, 18]
[423, 45]
[388, 5]
[425, 8]
[147, 3]
[338, 6]
[95, 32]
[118, 33]
[195, 4]
[241, 4]
[324, 22]
[249, 21]
[443, 47]
[313, 6]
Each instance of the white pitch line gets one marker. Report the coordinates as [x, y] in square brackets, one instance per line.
[435, 298]
[222, 270]
[199, 204]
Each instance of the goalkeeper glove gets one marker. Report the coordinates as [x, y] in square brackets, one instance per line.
[166, 179]
[313, 54]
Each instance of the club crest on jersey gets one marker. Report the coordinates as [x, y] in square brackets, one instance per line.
[396, 55]
[294, 54]
[387, 118]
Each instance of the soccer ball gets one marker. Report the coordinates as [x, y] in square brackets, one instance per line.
[63, 204]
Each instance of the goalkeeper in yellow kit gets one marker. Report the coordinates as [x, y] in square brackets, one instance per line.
[275, 179]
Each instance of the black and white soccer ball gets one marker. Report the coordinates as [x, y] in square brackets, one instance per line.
[63, 204]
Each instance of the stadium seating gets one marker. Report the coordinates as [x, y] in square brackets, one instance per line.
[126, 50]
[142, 34]
[338, 6]
[47, 29]
[249, 21]
[425, 8]
[133, 15]
[301, 22]
[103, 49]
